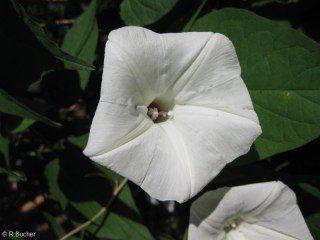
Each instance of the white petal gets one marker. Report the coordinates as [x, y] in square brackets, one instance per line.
[215, 81]
[150, 161]
[116, 120]
[156, 61]
[256, 231]
[212, 138]
[269, 216]
[267, 211]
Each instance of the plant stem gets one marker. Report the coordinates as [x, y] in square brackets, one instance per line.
[103, 210]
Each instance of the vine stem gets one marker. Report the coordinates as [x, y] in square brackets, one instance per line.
[116, 191]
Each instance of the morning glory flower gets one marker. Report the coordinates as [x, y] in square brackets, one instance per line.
[263, 211]
[173, 110]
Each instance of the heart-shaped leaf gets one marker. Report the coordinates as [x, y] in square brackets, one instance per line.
[281, 68]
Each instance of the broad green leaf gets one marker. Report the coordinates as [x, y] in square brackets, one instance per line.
[310, 189]
[51, 172]
[10, 105]
[281, 68]
[76, 184]
[144, 12]
[24, 124]
[81, 40]
[4, 150]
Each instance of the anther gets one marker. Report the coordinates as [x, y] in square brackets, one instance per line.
[231, 224]
[154, 113]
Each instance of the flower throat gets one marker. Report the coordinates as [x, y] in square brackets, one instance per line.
[157, 115]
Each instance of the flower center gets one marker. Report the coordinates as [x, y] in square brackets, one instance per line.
[154, 114]
[157, 114]
[231, 224]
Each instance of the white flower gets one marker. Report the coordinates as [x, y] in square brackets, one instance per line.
[262, 211]
[203, 118]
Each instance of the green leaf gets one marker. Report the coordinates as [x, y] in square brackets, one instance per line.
[81, 40]
[281, 68]
[313, 223]
[24, 124]
[79, 141]
[76, 184]
[310, 189]
[144, 12]
[12, 106]
[185, 235]
[4, 150]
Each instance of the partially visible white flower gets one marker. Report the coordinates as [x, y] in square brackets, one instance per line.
[262, 211]
[173, 110]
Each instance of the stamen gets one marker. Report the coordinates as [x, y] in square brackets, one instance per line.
[231, 224]
[154, 113]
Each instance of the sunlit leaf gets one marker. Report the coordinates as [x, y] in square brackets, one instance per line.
[281, 68]
[81, 40]
[144, 12]
[24, 124]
